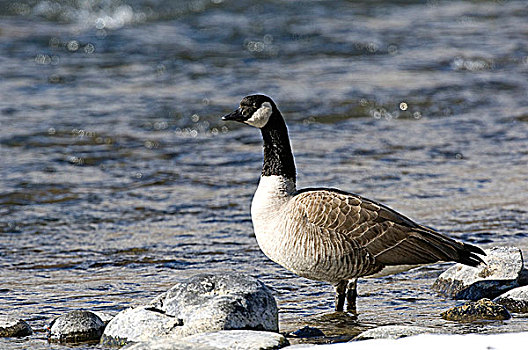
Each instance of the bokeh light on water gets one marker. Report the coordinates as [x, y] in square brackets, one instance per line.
[118, 177]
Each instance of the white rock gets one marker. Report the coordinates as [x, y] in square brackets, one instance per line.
[503, 341]
[167, 344]
[394, 332]
[515, 300]
[500, 273]
[240, 340]
[217, 302]
[137, 324]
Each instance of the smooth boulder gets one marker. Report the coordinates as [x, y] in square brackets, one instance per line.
[13, 327]
[515, 300]
[484, 309]
[76, 327]
[203, 303]
[502, 272]
[138, 324]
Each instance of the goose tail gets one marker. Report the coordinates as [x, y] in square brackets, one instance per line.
[469, 255]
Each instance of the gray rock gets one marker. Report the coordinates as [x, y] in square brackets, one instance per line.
[138, 324]
[203, 303]
[13, 327]
[240, 340]
[167, 344]
[76, 327]
[515, 300]
[217, 302]
[395, 332]
[501, 272]
[484, 309]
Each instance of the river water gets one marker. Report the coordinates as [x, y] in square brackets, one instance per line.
[118, 177]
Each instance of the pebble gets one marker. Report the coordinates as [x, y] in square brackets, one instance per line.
[77, 326]
[501, 273]
[515, 300]
[13, 327]
[394, 332]
[483, 309]
[203, 303]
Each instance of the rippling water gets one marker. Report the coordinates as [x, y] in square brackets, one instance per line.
[118, 178]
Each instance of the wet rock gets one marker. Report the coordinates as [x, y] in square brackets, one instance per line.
[13, 327]
[515, 300]
[307, 332]
[502, 272]
[240, 340]
[76, 327]
[483, 309]
[203, 303]
[395, 332]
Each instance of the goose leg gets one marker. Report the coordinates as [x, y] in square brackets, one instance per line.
[351, 295]
[340, 294]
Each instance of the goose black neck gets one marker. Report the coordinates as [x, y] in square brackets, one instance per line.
[278, 157]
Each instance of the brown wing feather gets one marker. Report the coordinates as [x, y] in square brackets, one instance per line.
[389, 237]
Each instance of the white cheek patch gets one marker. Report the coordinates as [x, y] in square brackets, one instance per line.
[261, 116]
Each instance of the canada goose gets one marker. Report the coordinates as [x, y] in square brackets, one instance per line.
[326, 234]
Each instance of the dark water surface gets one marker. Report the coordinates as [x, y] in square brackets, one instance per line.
[118, 178]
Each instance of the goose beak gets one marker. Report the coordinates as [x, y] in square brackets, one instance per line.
[236, 116]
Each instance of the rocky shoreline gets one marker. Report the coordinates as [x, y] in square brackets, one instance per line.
[235, 311]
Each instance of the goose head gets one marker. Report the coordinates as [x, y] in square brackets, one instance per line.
[254, 110]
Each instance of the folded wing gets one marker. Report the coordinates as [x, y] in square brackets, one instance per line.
[376, 230]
